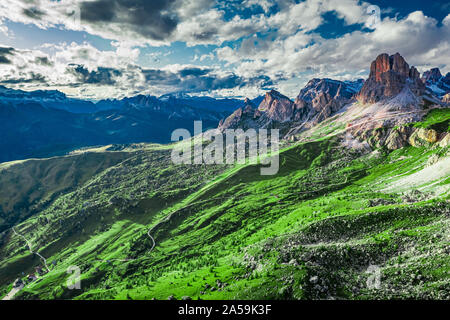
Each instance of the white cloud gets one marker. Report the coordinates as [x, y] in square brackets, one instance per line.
[417, 37]
[282, 46]
[194, 21]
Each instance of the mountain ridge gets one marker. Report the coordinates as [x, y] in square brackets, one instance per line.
[393, 95]
[360, 187]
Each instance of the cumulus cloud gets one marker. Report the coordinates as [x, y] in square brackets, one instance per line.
[84, 71]
[151, 19]
[420, 39]
[103, 76]
[19, 67]
[195, 79]
[159, 22]
[155, 22]
[4, 53]
[278, 45]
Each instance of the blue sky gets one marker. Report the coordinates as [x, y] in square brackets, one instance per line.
[98, 49]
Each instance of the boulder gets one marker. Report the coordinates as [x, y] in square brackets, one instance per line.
[423, 137]
[446, 99]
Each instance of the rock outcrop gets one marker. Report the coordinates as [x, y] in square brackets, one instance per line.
[445, 141]
[388, 77]
[446, 99]
[397, 138]
[423, 137]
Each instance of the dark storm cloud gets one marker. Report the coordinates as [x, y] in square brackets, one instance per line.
[198, 80]
[194, 72]
[4, 52]
[204, 36]
[157, 75]
[152, 19]
[30, 78]
[43, 61]
[4, 60]
[33, 13]
[103, 76]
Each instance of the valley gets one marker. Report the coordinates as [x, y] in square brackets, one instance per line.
[359, 208]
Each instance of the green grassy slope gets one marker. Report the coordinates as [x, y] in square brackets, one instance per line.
[311, 231]
[30, 186]
[438, 119]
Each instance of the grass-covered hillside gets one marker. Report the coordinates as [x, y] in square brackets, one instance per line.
[315, 230]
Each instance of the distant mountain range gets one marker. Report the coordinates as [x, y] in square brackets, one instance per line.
[436, 82]
[363, 183]
[46, 123]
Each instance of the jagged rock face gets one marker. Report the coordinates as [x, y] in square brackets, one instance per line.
[444, 85]
[277, 107]
[446, 80]
[274, 108]
[336, 89]
[432, 75]
[324, 105]
[436, 83]
[320, 99]
[323, 97]
[388, 76]
[397, 139]
[243, 117]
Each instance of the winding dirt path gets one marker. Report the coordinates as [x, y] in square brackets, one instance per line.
[31, 250]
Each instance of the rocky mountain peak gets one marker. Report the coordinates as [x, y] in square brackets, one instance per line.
[436, 83]
[277, 106]
[321, 98]
[388, 76]
[273, 94]
[332, 88]
[385, 63]
[432, 75]
[249, 107]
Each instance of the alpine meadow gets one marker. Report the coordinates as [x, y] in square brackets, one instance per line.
[224, 150]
